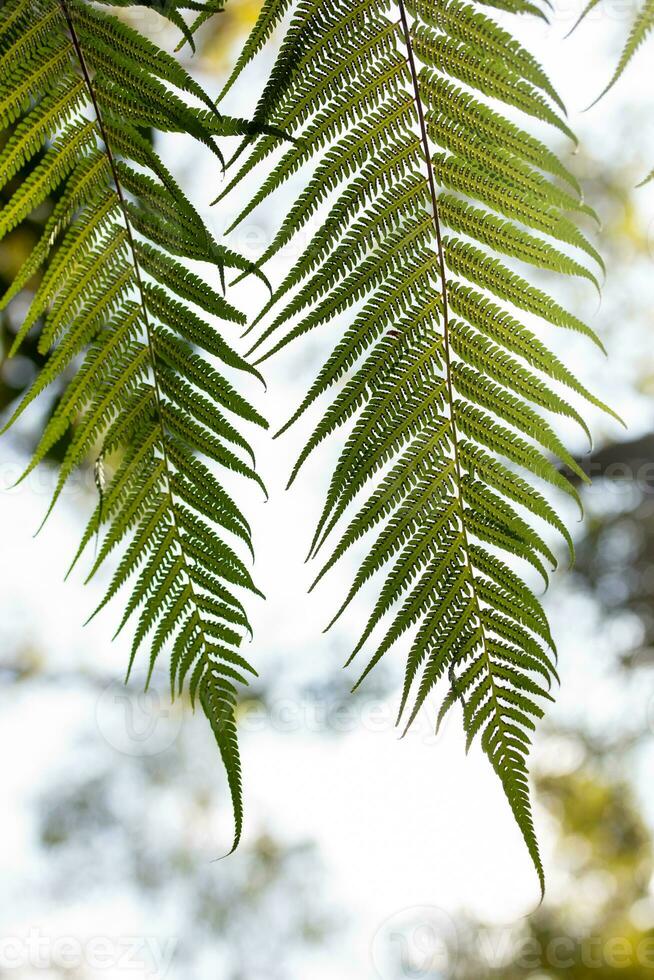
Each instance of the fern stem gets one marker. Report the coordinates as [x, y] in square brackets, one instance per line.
[447, 356]
[146, 320]
[447, 353]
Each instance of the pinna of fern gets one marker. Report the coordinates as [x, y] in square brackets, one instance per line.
[174, 10]
[124, 325]
[427, 197]
[641, 28]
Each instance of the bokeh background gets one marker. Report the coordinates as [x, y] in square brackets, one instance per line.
[365, 857]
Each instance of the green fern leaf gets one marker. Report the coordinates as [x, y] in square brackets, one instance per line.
[144, 394]
[641, 28]
[434, 196]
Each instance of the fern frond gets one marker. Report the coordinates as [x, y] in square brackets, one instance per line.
[434, 195]
[641, 28]
[149, 397]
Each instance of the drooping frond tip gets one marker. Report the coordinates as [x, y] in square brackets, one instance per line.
[438, 368]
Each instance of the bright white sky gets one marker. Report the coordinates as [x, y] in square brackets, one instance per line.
[400, 824]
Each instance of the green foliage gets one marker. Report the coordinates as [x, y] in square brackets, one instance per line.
[122, 321]
[642, 26]
[427, 194]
